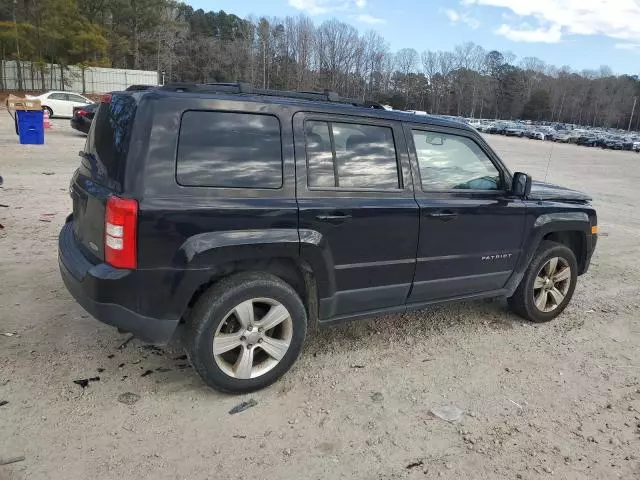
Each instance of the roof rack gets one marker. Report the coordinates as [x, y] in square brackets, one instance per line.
[245, 88]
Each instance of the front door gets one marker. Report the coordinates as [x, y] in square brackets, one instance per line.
[357, 212]
[471, 230]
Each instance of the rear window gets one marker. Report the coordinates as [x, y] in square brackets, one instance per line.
[108, 142]
[232, 150]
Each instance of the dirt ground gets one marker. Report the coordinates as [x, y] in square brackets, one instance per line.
[559, 400]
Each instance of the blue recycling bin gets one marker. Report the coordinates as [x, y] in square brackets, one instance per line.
[30, 127]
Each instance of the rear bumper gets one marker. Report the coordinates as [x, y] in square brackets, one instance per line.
[80, 125]
[110, 294]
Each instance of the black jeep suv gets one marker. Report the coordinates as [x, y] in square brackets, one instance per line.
[241, 218]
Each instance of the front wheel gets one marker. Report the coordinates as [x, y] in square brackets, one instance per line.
[547, 285]
[245, 332]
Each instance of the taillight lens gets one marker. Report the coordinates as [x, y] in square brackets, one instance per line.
[81, 113]
[120, 232]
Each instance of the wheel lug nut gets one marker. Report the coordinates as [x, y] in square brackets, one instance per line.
[242, 339]
[259, 340]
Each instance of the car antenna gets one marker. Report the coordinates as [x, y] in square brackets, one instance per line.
[546, 173]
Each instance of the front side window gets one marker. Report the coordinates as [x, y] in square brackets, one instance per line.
[229, 150]
[350, 155]
[452, 162]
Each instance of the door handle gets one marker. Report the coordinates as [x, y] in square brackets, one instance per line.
[335, 218]
[445, 215]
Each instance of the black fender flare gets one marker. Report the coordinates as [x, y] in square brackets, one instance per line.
[545, 224]
[201, 256]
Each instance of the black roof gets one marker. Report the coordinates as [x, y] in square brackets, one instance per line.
[328, 100]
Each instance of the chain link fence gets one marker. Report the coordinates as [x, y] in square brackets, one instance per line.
[31, 76]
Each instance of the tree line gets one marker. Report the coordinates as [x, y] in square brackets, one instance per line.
[294, 53]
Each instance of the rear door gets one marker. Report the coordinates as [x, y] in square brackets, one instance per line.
[471, 230]
[355, 197]
[101, 170]
[57, 102]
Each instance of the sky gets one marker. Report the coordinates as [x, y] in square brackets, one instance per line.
[583, 34]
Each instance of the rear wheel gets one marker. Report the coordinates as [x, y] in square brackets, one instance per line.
[548, 283]
[48, 110]
[245, 332]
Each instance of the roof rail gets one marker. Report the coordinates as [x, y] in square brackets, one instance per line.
[245, 88]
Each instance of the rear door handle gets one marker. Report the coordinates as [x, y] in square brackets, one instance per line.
[334, 218]
[444, 215]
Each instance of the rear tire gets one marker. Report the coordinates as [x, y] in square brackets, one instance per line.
[548, 283]
[48, 109]
[229, 336]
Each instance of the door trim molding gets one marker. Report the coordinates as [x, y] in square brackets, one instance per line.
[383, 263]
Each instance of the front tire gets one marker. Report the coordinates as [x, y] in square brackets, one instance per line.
[548, 284]
[245, 332]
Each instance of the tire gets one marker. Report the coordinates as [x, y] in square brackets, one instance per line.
[523, 301]
[216, 311]
[48, 109]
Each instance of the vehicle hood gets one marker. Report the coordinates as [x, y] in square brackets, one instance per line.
[548, 191]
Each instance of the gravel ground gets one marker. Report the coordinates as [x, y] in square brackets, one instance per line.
[559, 400]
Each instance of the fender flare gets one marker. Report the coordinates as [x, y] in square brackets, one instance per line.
[543, 225]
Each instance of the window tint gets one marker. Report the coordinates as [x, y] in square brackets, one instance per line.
[349, 155]
[234, 150]
[319, 155]
[107, 145]
[58, 96]
[451, 162]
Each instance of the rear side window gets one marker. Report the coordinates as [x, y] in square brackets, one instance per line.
[350, 155]
[76, 98]
[232, 150]
[108, 142]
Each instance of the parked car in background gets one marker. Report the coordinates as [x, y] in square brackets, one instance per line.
[60, 104]
[627, 144]
[535, 134]
[562, 137]
[587, 140]
[83, 116]
[514, 131]
[636, 147]
[498, 128]
[612, 143]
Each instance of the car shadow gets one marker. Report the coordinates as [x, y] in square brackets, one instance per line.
[131, 364]
[169, 367]
[418, 324]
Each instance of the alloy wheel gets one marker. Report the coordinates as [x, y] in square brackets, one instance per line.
[551, 284]
[252, 338]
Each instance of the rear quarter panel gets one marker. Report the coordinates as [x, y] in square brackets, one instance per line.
[188, 232]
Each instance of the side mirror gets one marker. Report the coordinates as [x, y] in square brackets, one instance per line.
[521, 185]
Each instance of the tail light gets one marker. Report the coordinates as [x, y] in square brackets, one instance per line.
[82, 113]
[120, 232]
